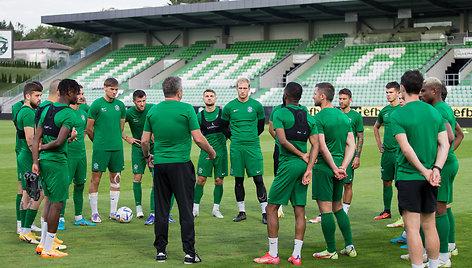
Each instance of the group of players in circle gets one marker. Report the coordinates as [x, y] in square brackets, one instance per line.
[417, 152]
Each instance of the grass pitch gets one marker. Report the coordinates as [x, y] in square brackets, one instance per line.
[221, 242]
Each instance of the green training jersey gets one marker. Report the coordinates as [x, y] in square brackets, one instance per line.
[107, 127]
[24, 118]
[14, 111]
[136, 121]
[357, 125]
[76, 149]
[389, 143]
[216, 140]
[243, 118]
[421, 123]
[171, 123]
[448, 115]
[65, 117]
[84, 107]
[335, 126]
[283, 118]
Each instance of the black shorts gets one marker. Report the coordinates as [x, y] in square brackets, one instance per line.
[276, 159]
[417, 196]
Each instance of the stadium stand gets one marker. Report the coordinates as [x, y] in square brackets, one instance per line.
[121, 64]
[364, 69]
[195, 49]
[324, 43]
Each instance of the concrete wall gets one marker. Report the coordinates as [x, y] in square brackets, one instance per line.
[246, 33]
[143, 79]
[204, 34]
[289, 31]
[303, 68]
[167, 72]
[439, 69]
[131, 38]
[465, 71]
[273, 77]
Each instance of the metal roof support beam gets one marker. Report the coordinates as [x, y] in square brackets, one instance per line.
[445, 5]
[240, 18]
[150, 22]
[276, 13]
[380, 7]
[325, 10]
[186, 18]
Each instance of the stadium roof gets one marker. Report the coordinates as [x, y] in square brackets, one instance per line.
[248, 12]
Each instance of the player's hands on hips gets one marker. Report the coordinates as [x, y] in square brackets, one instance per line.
[35, 168]
[356, 162]
[305, 157]
[307, 177]
[150, 161]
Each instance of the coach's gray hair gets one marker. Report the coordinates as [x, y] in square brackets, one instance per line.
[243, 80]
[171, 86]
[433, 82]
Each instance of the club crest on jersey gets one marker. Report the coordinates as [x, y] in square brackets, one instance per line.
[200, 170]
[95, 165]
[135, 167]
[83, 117]
[249, 109]
[117, 107]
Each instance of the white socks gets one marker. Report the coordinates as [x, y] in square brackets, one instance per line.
[273, 246]
[18, 226]
[216, 207]
[93, 197]
[114, 197]
[297, 248]
[450, 245]
[49, 241]
[78, 218]
[443, 257]
[44, 230]
[263, 207]
[433, 263]
[346, 207]
[404, 234]
[281, 209]
[418, 266]
[241, 206]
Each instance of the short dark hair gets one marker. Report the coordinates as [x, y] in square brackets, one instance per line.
[110, 82]
[327, 89]
[68, 85]
[294, 91]
[209, 90]
[394, 85]
[345, 91]
[31, 87]
[443, 91]
[171, 86]
[138, 93]
[412, 80]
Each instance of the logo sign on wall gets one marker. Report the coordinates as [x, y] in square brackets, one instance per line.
[6, 44]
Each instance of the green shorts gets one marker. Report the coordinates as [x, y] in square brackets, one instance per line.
[350, 173]
[138, 161]
[387, 165]
[448, 174]
[219, 165]
[325, 186]
[77, 170]
[113, 160]
[287, 185]
[25, 163]
[55, 180]
[247, 158]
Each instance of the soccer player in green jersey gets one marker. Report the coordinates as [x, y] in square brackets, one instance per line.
[106, 120]
[431, 94]
[294, 126]
[212, 128]
[246, 116]
[14, 110]
[136, 116]
[357, 126]
[388, 148]
[77, 161]
[49, 158]
[423, 140]
[173, 124]
[337, 147]
[25, 130]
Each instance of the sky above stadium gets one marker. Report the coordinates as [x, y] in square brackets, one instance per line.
[29, 12]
